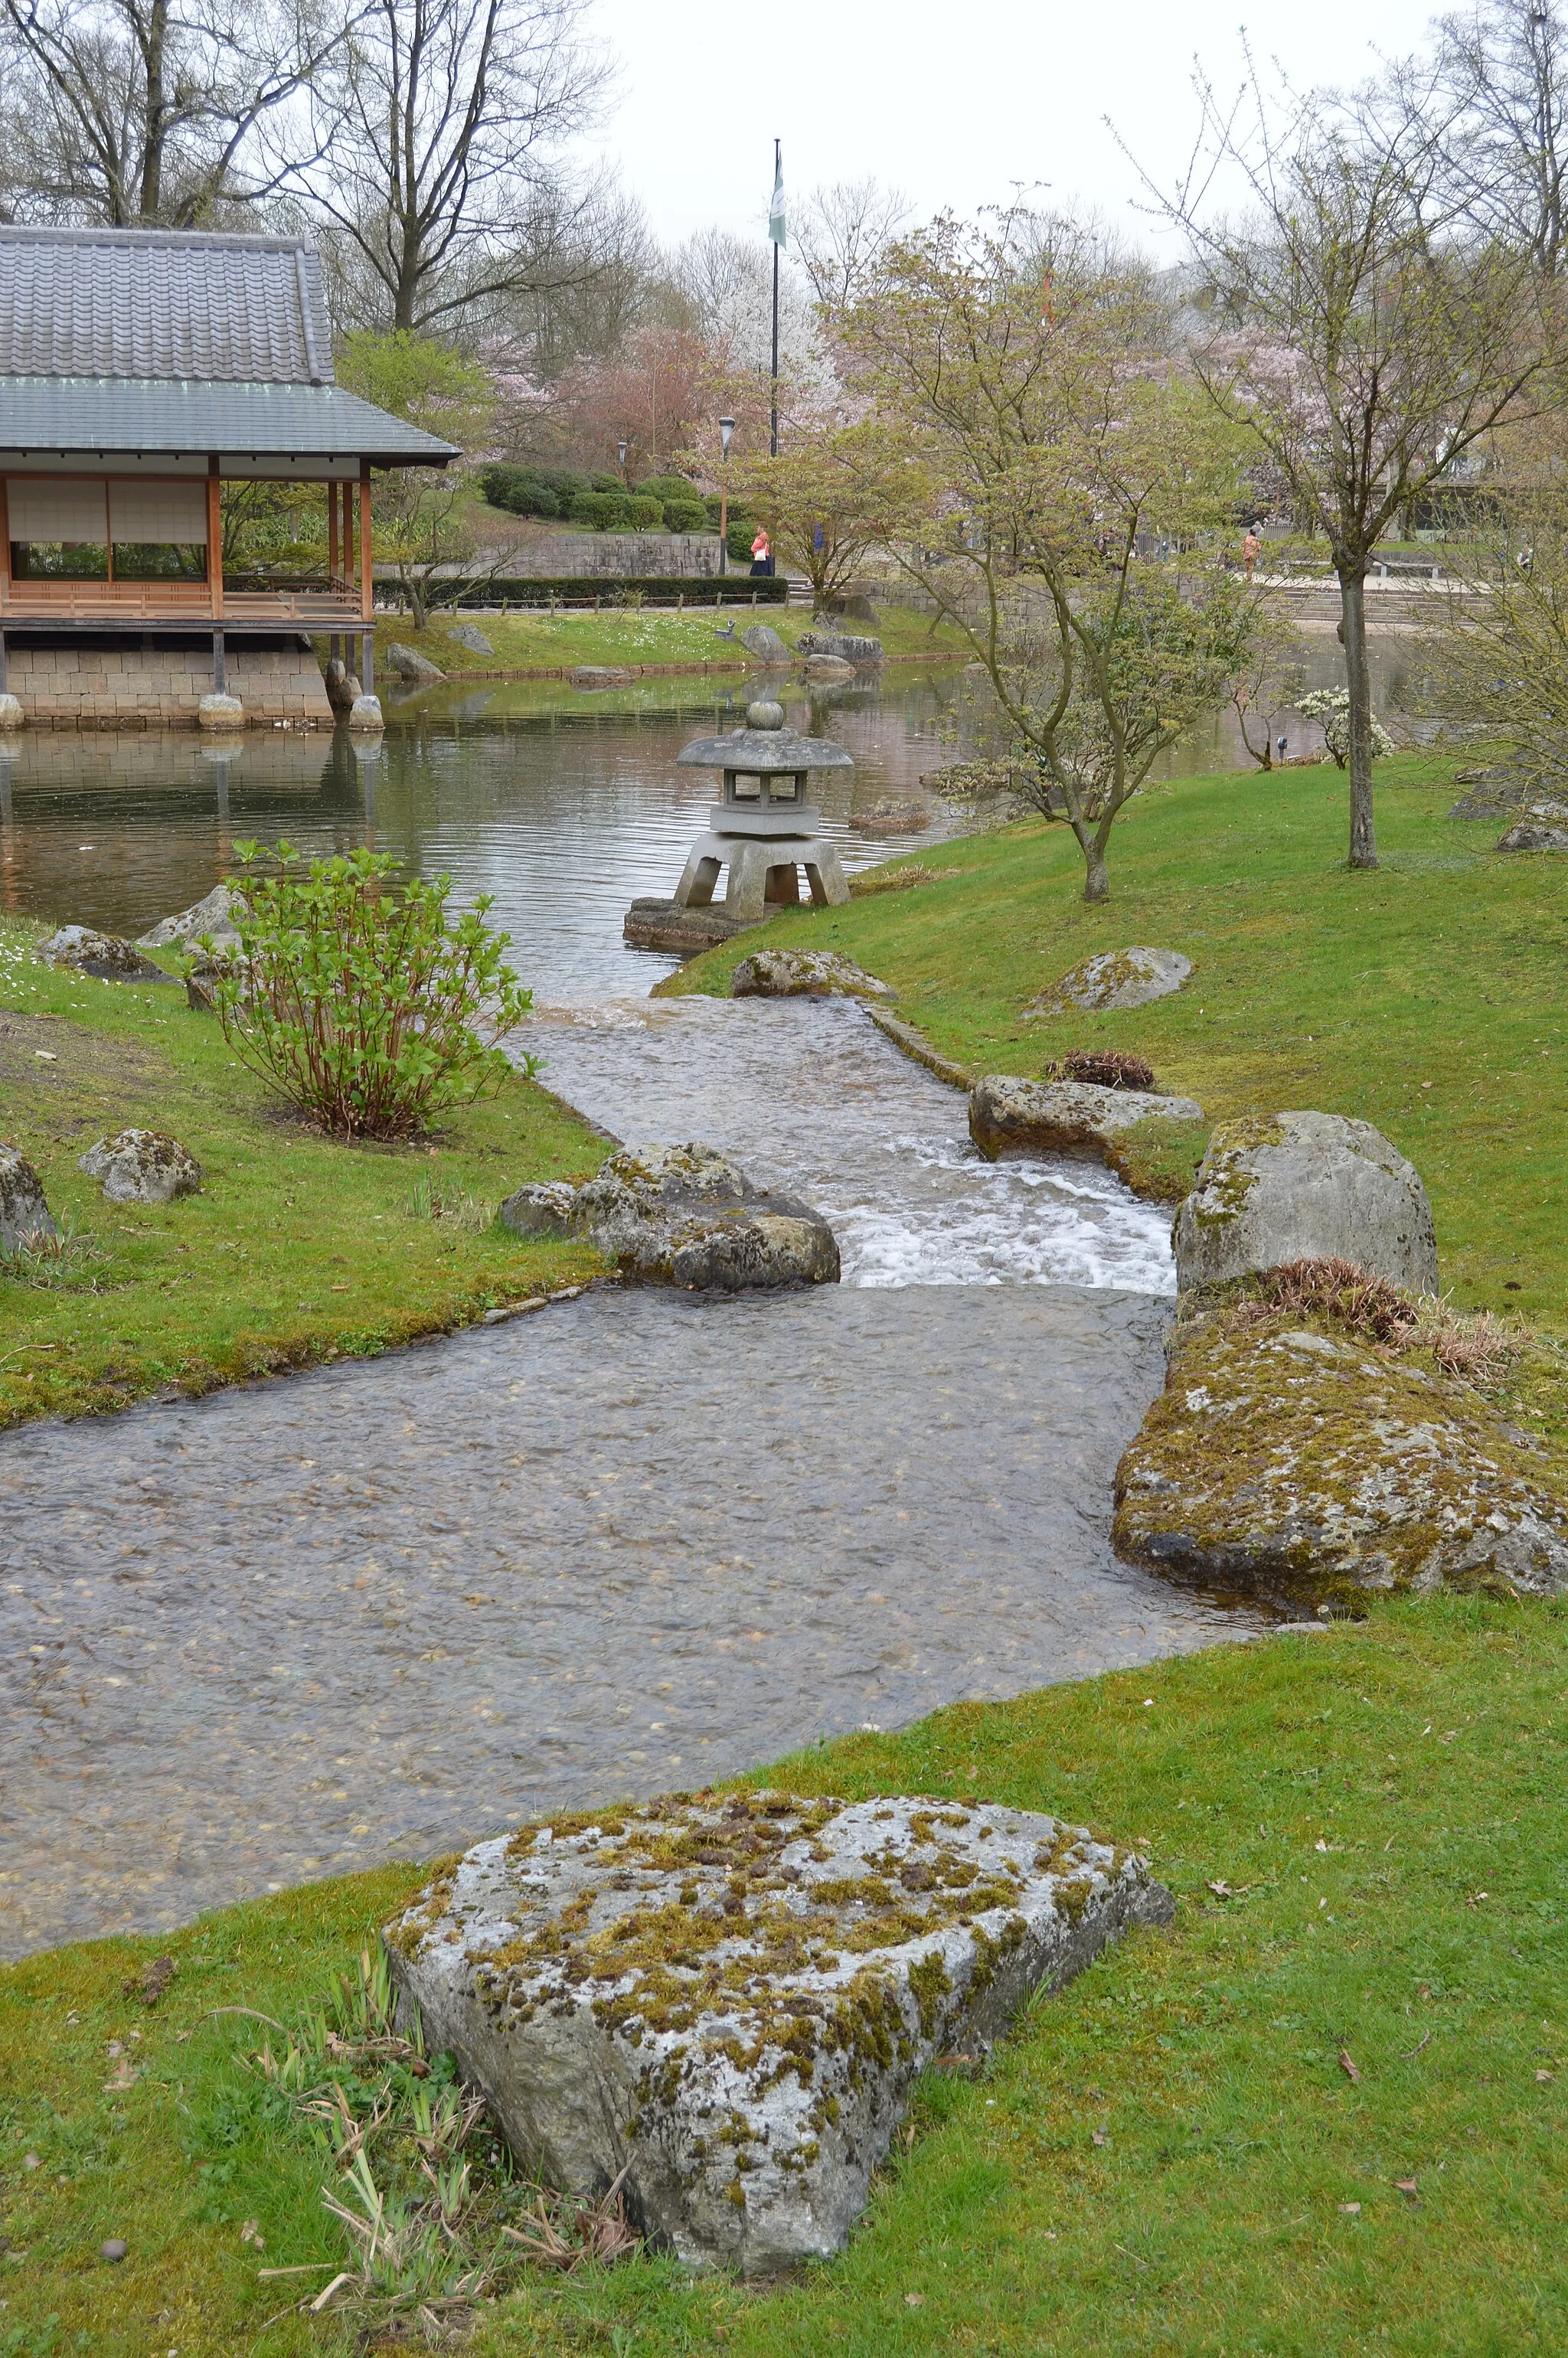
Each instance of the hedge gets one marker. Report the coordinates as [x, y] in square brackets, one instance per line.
[609, 591]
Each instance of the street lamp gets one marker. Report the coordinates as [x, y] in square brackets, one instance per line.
[725, 428]
[622, 447]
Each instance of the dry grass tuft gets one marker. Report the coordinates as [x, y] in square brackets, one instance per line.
[1476, 1348]
[1108, 1068]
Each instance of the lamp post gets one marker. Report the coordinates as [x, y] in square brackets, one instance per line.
[622, 447]
[725, 428]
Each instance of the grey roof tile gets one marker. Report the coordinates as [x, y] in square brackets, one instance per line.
[147, 303]
[55, 415]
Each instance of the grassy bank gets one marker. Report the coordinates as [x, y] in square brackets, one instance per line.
[651, 634]
[298, 1248]
[1426, 996]
[1322, 2114]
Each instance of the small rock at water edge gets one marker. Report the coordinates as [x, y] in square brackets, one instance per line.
[841, 646]
[895, 818]
[1008, 1115]
[601, 675]
[104, 956]
[1531, 836]
[727, 1999]
[813, 974]
[763, 642]
[24, 1214]
[684, 1215]
[214, 915]
[10, 712]
[1309, 1466]
[470, 636]
[826, 668]
[225, 713]
[142, 1166]
[365, 713]
[1129, 977]
[408, 664]
[1297, 1186]
[342, 684]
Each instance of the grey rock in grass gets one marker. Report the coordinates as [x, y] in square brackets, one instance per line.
[843, 646]
[1129, 978]
[684, 1215]
[214, 915]
[470, 636]
[142, 1166]
[1008, 1116]
[763, 642]
[1305, 1187]
[811, 974]
[407, 663]
[103, 956]
[24, 1213]
[727, 1999]
[1313, 1467]
[1532, 835]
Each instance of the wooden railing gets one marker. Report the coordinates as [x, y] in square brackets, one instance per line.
[180, 605]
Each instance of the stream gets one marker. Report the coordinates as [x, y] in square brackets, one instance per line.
[631, 1541]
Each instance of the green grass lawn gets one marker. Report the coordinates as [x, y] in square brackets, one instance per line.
[1169, 2156]
[297, 1248]
[651, 634]
[1426, 997]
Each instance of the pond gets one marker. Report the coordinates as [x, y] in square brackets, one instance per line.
[565, 814]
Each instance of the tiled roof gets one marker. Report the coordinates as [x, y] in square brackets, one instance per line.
[167, 304]
[60, 415]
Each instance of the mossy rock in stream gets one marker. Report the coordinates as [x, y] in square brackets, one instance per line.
[1305, 1462]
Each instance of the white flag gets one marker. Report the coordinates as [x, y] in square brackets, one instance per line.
[777, 210]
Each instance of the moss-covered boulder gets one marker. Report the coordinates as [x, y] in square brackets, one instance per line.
[1084, 1118]
[804, 974]
[684, 1215]
[1307, 1464]
[721, 2001]
[1129, 978]
[1283, 1187]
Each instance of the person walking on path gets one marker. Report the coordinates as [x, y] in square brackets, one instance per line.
[762, 555]
[1251, 550]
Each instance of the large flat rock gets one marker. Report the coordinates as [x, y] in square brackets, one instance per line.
[722, 2001]
[1279, 1187]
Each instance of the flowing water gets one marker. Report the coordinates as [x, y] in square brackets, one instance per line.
[630, 1541]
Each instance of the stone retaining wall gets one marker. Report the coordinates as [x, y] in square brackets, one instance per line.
[137, 687]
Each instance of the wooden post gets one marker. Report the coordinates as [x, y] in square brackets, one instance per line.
[4, 548]
[367, 593]
[214, 543]
[332, 535]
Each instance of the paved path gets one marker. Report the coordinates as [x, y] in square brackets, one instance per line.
[631, 1541]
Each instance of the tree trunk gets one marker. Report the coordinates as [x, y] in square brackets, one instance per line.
[1096, 883]
[1358, 680]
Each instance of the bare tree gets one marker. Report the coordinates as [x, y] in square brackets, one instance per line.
[726, 283]
[1368, 342]
[1499, 79]
[844, 231]
[440, 128]
[139, 112]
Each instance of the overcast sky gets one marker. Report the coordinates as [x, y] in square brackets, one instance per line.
[952, 104]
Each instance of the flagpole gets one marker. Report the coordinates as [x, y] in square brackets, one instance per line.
[773, 417]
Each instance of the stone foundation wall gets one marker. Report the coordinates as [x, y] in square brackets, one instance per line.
[135, 688]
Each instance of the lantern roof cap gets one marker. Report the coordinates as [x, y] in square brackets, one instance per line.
[767, 751]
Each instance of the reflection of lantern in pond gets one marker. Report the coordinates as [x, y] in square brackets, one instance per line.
[764, 831]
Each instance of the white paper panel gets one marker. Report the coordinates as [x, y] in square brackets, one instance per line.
[158, 512]
[68, 511]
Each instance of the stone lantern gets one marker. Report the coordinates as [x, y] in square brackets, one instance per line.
[764, 831]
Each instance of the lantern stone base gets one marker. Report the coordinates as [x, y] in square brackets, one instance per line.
[764, 874]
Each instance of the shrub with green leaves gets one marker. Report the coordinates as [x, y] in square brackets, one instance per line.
[360, 1001]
